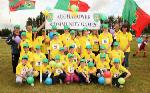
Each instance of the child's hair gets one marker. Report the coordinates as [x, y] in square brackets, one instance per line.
[146, 37]
[126, 26]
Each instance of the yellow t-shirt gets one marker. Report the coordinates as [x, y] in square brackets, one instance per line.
[76, 57]
[37, 59]
[74, 42]
[98, 59]
[58, 70]
[104, 65]
[84, 70]
[20, 69]
[85, 40]
[95, 40]
[117, 54]
[124, 39]
[44, 46]
[29, 54]
[29, 35]
[117, 72]
[22, 42]
[92, 70]
[116, 34]
[106, 40]
[46, 69]
[70, 67]
[54, 47]
[65, 38]
[88, 57]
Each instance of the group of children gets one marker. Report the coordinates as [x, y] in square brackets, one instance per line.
[74, 56]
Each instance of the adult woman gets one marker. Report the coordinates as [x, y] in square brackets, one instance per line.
[125, 38]
[14, 40]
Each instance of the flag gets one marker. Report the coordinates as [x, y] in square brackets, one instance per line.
[142, 21]
[15, 5]
[66, 4]
[135, 16]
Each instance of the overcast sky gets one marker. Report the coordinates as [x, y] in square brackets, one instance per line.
[108, 7]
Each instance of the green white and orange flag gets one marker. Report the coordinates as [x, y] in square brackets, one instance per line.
[135, 16]
[15, 5]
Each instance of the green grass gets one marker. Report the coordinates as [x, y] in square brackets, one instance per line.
[139, 82]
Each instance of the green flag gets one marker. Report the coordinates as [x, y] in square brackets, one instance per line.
[129, 11]
[62, 5]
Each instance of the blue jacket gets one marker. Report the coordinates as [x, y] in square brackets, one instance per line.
[14, 45]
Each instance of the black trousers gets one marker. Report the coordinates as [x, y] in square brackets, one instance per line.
[115, 80]
[82, 79]
[62, 76]
[93, 78]
[15, 58]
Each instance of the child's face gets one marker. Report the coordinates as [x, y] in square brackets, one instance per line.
[23, 37]
[71, 50]
[89, 51]
[38, 50]
[29, 28]
[116, 65]
[105, 29]
[62, 51]
[35, 33]
[57, 61]
[94, 32]
[26, 49]
[16, 32]
[24, 61]
[103, 59]
[71, 59]
[66, 31]
[45, 64]
[82, 64]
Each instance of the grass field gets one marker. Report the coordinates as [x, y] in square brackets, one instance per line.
[139, 82]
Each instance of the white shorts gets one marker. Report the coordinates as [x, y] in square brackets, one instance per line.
[139, 45]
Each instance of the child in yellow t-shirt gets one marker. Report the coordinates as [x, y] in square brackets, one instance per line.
[24, 40]
[102, 64]
[26, 52]
[59, 74]
[116, 53]
[46, 69]
[38, 56]
[76, 55]
[83, 72]
[105, 38]
[55, 44]
[88, 55]
[23, 70]
[118, 71]
[70, 69]
[92, 72]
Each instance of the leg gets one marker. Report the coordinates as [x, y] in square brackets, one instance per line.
[19, 79]
[44, 76]
[75, 78]
[82, 79]
[15, 58]
[126, 61]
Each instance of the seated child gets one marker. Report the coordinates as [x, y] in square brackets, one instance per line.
[23, 70]
[83, 72]
[118, 71]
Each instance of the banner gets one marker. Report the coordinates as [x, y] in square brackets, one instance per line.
[83, 19]
[15, 5]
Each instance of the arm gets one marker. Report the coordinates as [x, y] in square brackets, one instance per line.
[128, 75]
[41, 27]
[10, 39]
